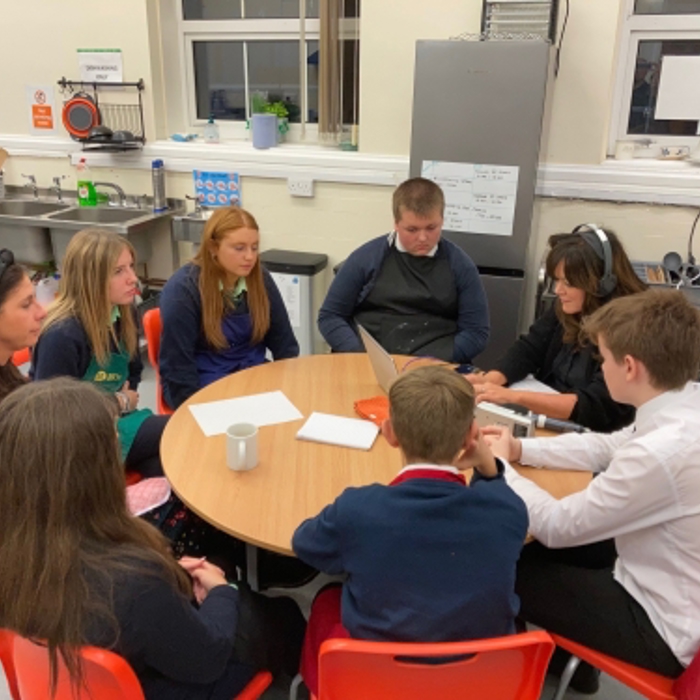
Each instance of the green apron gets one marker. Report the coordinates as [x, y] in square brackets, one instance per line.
[111, 378]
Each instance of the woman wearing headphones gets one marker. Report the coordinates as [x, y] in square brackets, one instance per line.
[222, 311]
[91, 334]
[589, 267]
[20, 319]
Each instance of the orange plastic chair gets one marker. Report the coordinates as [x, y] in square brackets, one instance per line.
[651, 685]
[503, 668]
[152, 329]
[107, 676]
[7, 639]
[21, 357]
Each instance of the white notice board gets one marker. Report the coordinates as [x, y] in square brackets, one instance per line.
[479, 198]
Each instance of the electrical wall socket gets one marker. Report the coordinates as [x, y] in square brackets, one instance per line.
[300, 186]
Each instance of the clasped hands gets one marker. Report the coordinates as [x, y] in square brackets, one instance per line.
[204, 574]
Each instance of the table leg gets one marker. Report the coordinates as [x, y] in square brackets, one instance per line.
[251, 566]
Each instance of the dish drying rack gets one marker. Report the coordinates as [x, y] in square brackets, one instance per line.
[116, 116]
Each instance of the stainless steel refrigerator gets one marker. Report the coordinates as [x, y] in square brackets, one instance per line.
[479, 106]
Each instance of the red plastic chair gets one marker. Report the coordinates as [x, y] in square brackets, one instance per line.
[651, 685]
[21, 357]
[7, 639]
[107, 676]
[504, 668]
[152, 329]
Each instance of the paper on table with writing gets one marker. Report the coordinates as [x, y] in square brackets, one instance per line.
[269, 408]
[532, 384]
[338, 430]
[479, 198]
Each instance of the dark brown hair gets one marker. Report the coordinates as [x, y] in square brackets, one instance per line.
[660, 328]
[583, 270]
[64, 519]
[418, 195]
[221, 223]
[10, 376]
[431, 409]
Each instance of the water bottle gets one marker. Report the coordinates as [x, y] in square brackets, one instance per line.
[160, 203]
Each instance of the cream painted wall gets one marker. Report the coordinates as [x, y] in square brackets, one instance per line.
[389, 30]
[40, 39]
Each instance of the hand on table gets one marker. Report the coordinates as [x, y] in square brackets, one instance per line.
[205, 576]
[488, 391]
[502, 442]
[478, 456]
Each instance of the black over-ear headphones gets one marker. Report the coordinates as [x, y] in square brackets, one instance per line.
[596, 239]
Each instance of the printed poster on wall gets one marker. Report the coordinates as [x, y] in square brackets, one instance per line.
[217, 189]
[479, 198]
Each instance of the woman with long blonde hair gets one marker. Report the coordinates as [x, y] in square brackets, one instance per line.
[222, 311]
[90, 333]
[80, 570]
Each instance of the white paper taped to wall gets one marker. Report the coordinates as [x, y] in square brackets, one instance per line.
[479, 198]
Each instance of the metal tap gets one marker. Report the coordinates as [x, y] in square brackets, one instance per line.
[32, 184]
[57, 188]
[116, 188]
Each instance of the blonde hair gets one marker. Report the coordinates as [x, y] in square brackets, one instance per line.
[660, 328]
[88, 266]
[212, 275]
[431, 409]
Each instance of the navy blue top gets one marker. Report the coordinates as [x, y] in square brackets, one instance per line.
[358, 276]
[187, 362]
[177, 651]
[64, 349]
[426, 559]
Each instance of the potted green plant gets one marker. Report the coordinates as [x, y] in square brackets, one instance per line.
[279, 109]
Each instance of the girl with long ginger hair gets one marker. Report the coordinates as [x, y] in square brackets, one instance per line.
[80, 570]
[222, 311]
[90, 333]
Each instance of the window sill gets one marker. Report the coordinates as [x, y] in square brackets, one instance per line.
[286, 160]
[639, 180]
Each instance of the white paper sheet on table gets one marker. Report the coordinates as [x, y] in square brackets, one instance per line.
[338, 430]
[532, 384]
[269, 408]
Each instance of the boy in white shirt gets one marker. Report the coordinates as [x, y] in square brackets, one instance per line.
[646, 608]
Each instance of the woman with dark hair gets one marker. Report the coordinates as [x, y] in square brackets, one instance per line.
[586, 275]
[20, 319]
[222, 311]
[78, 569]
[91, 334]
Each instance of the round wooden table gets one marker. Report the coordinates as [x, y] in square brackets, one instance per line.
[294, 479]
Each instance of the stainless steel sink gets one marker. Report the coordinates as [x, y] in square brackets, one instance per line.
[99, 215]
[29, 207]
[190, 226]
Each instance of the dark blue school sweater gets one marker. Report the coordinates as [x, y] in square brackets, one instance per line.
[183, 336]
[426, 560]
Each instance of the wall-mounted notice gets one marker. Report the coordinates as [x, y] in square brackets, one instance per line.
[41, 109]
[479, 198]
[217, 189]
[100, 65]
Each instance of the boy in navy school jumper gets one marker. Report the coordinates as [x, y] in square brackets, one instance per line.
[426, 558]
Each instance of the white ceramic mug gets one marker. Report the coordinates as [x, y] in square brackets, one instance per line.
[242, 446]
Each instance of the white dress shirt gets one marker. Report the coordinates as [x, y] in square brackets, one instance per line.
[647, 497]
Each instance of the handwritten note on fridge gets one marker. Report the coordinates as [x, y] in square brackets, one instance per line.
[479, 198]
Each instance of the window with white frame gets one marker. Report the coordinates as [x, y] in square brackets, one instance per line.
[651, 31]
[234, 49]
